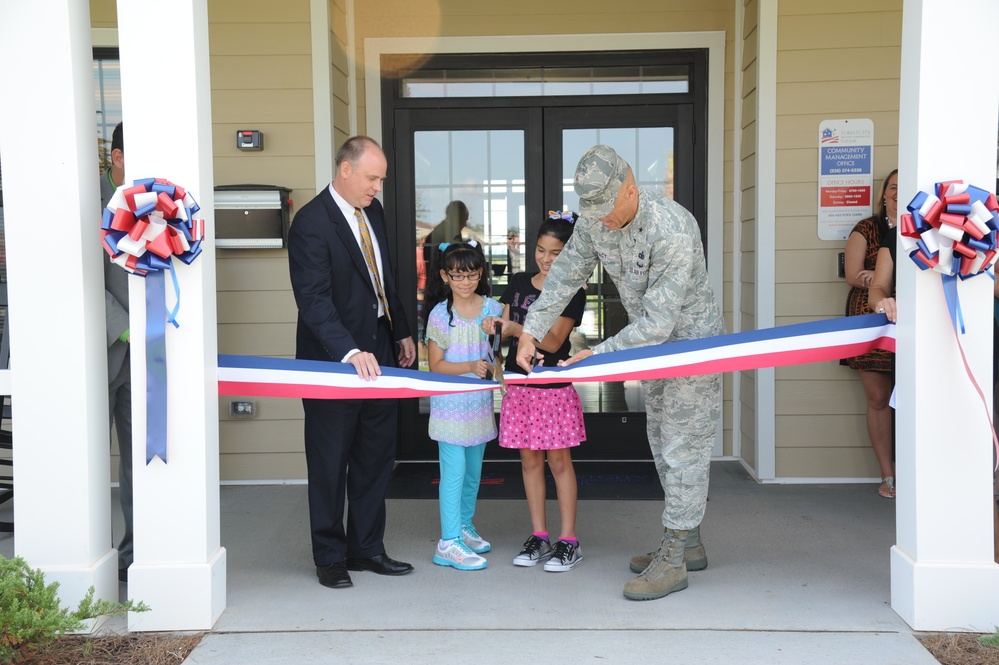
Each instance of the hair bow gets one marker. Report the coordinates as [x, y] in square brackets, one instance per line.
[565, 215]
[445, 245]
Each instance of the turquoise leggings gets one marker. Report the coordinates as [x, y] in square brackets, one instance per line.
[461, 469]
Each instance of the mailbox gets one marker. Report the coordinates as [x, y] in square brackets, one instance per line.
[251, 216]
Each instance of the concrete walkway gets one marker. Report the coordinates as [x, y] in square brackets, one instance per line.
[797, 574]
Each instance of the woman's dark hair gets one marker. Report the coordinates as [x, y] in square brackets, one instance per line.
[880, 213]
[558, 225]
[455, 257]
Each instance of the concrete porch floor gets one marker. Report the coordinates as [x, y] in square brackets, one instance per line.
[797, 573]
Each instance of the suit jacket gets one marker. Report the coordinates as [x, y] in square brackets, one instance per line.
[115, 298]
[337, 304]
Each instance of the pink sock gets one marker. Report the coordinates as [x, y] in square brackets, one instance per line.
[543, 535]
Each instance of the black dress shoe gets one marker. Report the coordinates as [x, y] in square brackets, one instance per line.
[380, 564]
[334, 576]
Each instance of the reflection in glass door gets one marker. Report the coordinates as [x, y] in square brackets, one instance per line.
[468, 185]
[491, 175]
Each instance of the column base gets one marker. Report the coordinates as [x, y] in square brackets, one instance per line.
[74, 582]
[189, 596]
[944, 596]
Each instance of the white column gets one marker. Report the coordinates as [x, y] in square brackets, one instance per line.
[766, 233]
[322, 90]
[943, 573]
[55, 284]
[179, 568]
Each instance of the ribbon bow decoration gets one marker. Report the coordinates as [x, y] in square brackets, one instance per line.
[146, 224]
[564, 215]
[954, 232]
[143, 227]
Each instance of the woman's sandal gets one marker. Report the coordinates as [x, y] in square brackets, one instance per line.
[887, 489]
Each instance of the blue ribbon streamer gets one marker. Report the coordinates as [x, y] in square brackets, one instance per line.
[156, 370]
[953, 302]
[172, 314]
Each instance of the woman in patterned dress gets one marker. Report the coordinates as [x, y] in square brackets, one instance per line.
[877, 368]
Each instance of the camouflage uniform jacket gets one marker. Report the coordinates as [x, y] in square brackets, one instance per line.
[657, 264]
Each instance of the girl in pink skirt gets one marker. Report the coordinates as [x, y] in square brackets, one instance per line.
[548, 419]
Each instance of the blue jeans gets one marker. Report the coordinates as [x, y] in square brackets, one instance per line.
[461, 469]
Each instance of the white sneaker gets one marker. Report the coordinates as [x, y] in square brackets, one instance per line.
[475, 542]
[535, 551]
[455, 553]
[564, 557]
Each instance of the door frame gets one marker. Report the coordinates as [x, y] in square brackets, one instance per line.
[410, 120]
[542, 125]
[712, 41]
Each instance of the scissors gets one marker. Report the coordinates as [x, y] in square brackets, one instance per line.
[497, 357]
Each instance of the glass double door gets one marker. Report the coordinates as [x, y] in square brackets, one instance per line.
[491, 175]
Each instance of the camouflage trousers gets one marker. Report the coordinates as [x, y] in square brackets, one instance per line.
[682, 417]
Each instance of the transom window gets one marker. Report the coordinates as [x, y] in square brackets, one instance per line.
[547, 81]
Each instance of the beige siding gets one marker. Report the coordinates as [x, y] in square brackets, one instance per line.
[261, 436]
[267, 466]
[261, 79]
[835, 461]
[748, 449]
[103, 14]
[797, 434]
[798, 233]
[261, 339]
[834, 60]
[727, 301]
[341, 69]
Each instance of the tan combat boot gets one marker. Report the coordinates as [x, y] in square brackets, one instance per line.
[665, 574]
[693, 554]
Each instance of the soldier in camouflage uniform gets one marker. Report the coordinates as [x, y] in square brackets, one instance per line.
[651, 248]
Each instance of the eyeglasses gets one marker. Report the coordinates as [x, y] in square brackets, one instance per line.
[461, 277]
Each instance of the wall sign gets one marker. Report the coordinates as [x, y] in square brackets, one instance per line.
[846, 162]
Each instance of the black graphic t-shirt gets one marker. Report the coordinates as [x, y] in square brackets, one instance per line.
[519, 295]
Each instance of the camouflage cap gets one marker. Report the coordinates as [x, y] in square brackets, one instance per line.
[599, 175]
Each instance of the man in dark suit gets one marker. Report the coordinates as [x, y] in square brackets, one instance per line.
[119, 361]
[349, 311]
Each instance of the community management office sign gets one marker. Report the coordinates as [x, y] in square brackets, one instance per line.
[846, 162]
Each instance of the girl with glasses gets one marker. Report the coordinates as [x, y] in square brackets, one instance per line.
[458, 301]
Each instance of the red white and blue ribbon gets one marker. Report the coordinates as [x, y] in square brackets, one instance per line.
[953, 231]
[800, 343]
[143, 227]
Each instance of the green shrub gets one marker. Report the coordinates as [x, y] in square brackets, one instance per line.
[990, 640]
[30, 615]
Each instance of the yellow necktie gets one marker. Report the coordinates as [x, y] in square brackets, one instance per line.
[368, 249]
